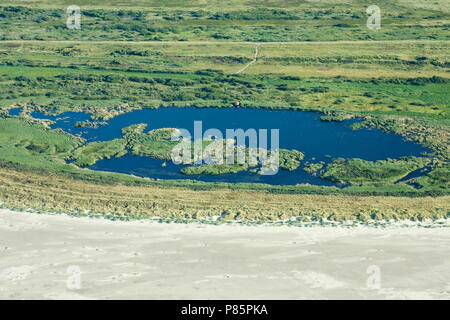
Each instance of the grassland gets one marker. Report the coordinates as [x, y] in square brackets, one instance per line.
[31, 178]
[313, 167]
[119, 200]
[215, 169]
[357, 171]
[234, 21]
[107, 79]
[158, 144]
[316, 56]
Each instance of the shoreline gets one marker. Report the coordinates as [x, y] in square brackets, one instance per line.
[149, 260]
[215, 222]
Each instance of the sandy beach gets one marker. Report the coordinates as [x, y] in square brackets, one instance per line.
[41, 254]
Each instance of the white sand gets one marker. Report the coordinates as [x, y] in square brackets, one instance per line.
[144, 260]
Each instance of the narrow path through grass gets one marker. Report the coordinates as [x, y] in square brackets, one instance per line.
[251, 62]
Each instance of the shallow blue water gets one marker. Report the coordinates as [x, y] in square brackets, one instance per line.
[15, 111]
[303, 131]
[415, 174]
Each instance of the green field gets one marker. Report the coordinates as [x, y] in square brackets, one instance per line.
[410, 79]
[231, 21]
[298, 55]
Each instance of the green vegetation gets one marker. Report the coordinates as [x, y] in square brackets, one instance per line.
[124, 197]
[382, 172]
[154, 144]
[313, 167]
[215, 169]
[437, 178]
[290, 159]
[398, 83]
[337, 117]
[290, 76]
[95, 151]
[89, 124]
[15, 156]
[29, 143]
[432, 133]
[158, 144]
[214, 20]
